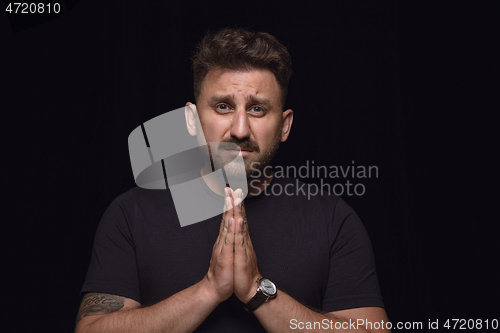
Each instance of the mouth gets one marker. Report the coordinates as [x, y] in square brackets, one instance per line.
[244, 151]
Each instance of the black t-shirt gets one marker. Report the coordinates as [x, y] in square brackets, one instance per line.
[315, 249]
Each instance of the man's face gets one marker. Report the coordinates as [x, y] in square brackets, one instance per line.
[244, 108]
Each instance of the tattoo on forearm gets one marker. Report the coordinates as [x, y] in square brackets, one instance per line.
[98, 303]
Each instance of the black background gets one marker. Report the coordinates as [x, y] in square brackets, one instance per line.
[406, 86]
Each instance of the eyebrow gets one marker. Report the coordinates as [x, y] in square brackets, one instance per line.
[259, 100]
[221, 98]
[251, 98]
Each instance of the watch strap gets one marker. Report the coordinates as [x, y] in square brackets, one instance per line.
[256, 301]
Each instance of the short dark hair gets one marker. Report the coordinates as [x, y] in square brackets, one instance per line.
[240, 49]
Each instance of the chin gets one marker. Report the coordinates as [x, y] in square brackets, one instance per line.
[235, 169]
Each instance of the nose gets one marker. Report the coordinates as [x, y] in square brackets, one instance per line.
[240, 125]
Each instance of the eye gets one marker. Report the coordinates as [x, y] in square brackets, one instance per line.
[257, 109]
[222, 107]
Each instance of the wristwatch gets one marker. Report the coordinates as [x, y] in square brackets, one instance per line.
[266, 291]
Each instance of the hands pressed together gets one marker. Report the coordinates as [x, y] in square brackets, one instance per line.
[233, 266]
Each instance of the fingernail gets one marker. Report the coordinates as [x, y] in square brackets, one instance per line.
[228, 203]
[226, 192]
[241, 222]
[230, 221]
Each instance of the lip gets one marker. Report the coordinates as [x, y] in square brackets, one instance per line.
[235, 152]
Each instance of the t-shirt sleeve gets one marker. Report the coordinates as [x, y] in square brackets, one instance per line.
[113, 268]
[352, 281]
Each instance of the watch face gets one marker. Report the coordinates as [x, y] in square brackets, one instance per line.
[267, 287]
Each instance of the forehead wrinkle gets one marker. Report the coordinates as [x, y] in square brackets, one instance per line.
[250, 98]
[258, 100]
[222, 97]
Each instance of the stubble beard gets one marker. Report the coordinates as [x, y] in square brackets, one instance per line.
[252, 166]
[233, 167]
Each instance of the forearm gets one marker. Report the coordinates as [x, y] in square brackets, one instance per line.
[285, 314]
[182, 312]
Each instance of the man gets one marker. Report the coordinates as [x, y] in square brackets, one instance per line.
[274, 263]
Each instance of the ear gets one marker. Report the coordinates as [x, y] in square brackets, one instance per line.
[287, 124]
[191, 116]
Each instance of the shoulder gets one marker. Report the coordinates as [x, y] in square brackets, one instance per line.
[138, 201]
[140, 196]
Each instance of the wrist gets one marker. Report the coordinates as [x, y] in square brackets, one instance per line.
[207, 292]
[246, 298]
[266, 290]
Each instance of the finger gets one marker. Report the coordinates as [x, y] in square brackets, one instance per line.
[246, 235]
[238, 202]
[245, 230]
[239, 238]
[225, 222]
[243, 212]
[224, 209]
[229, 205]
[244, 226]
[229, 209]
[227, 245]
[244, 216]
[222, 221]
[229, 191]
[246, 238]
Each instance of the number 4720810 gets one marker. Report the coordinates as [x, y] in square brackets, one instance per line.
[471, 324]
[33, 8]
